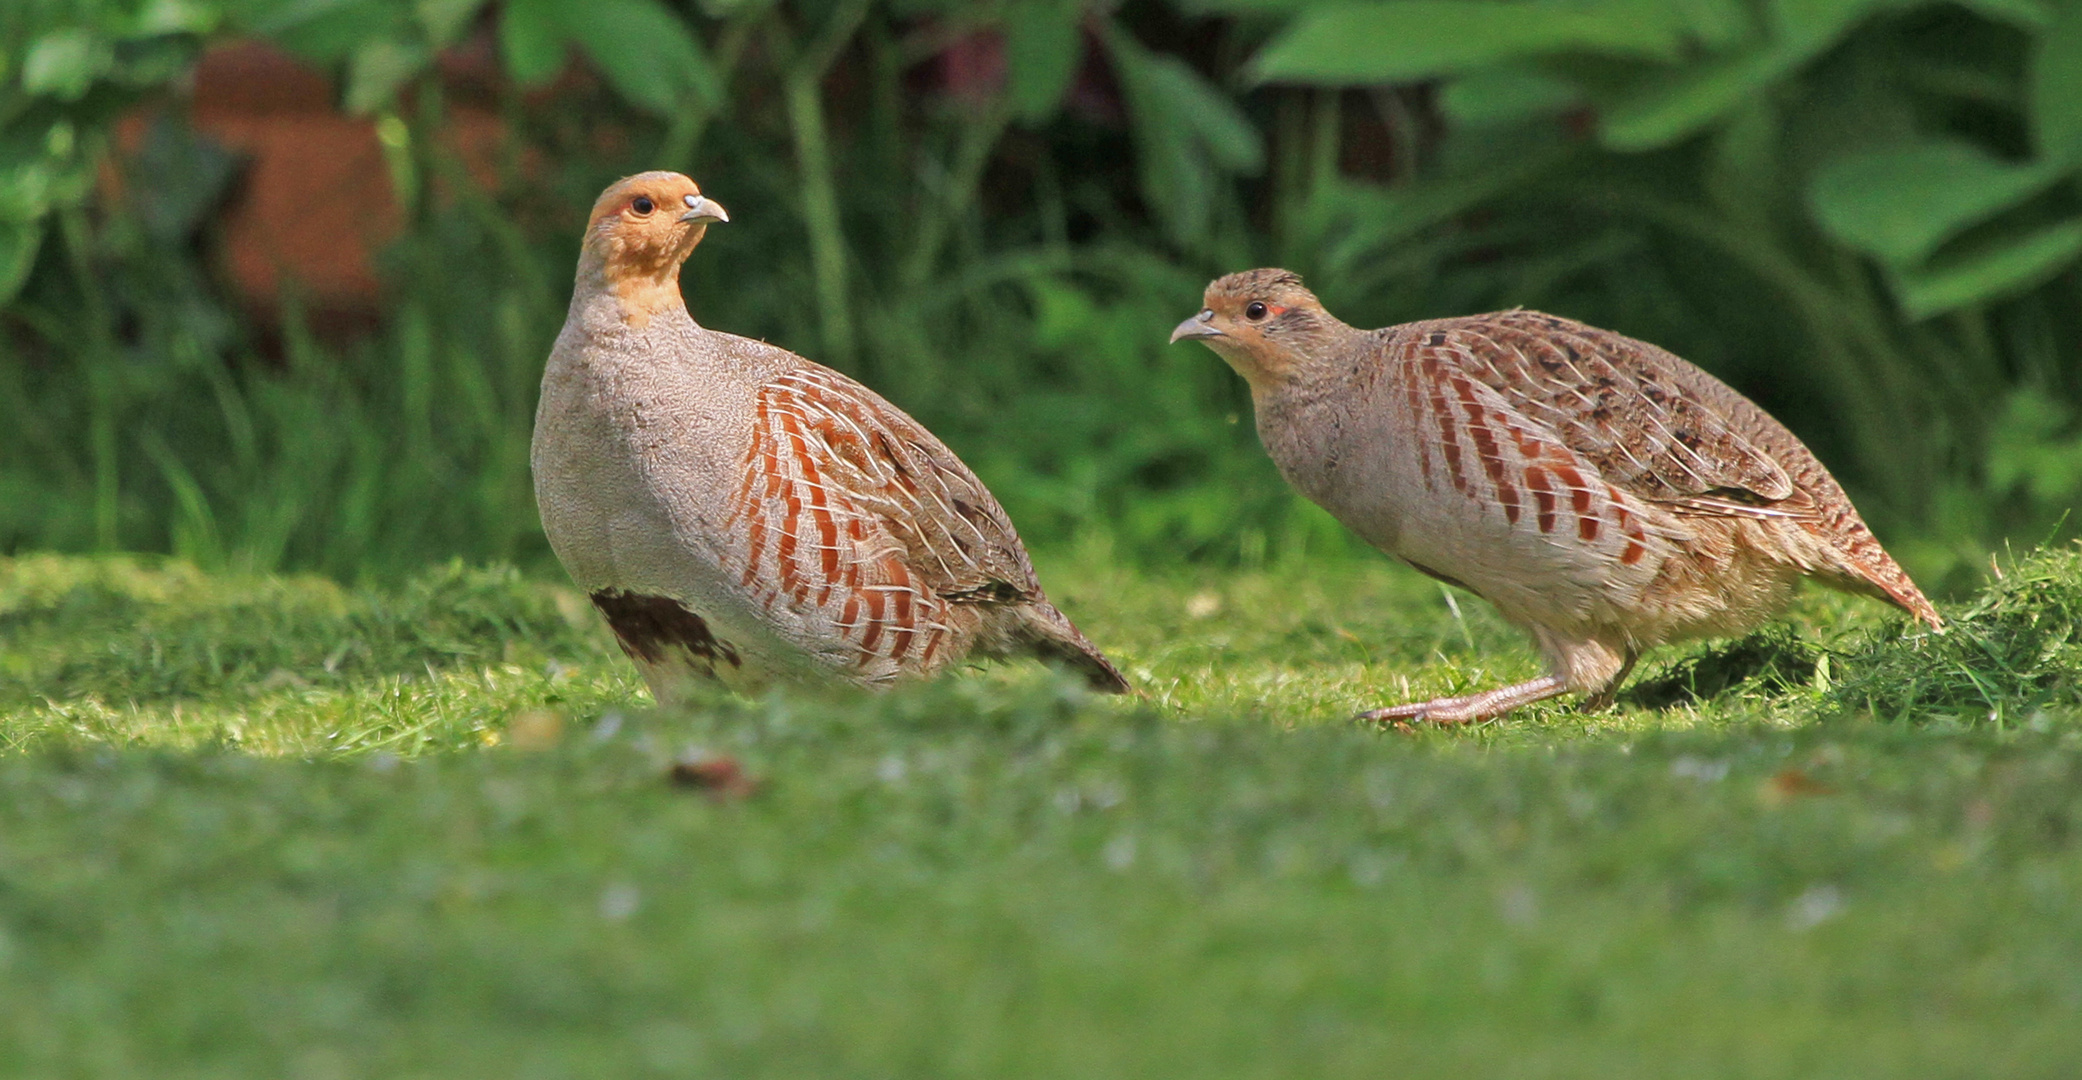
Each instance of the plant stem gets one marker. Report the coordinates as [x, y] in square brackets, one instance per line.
[683, 135]
[100, 356]
[978, 138]
[804, 94]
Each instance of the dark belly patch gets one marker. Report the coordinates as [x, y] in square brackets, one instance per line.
[649, 627]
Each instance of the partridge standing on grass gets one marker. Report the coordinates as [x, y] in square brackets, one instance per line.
[1604, 494]
[741, 513]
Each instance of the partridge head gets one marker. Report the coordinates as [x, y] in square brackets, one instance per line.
[641, 229]
[739, 513]
[1264, 323]
[1604, 494]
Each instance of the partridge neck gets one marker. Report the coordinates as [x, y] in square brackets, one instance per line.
[1317, 366]
[640, 286]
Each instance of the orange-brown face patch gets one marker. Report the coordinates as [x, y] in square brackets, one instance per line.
[1264, 354]
[642, 251]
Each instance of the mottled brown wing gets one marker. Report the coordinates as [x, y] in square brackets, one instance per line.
[864, 469]
[1622, 407]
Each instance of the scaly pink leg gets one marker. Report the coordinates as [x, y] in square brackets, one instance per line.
[1482, 706]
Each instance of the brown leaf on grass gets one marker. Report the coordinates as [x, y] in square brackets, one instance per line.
[1791, 783]
[717, 775]
[535, 729]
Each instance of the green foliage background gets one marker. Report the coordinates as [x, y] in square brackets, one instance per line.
[1863, 212]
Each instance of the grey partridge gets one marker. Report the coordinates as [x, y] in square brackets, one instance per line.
[1604, 494]
[740, 513]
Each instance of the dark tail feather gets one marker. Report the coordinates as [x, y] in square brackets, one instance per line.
[1053, 637]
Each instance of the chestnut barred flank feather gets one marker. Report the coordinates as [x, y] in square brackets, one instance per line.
[1603, 493]
[741, 513]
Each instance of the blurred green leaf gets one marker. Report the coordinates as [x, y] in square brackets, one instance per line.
[1243, 7]
[177, 17]
[19, 241]
[151, 62]
[25, 183]
[1679, 103]
[1356, 44]
[330, 32]
[64, 63]
[727, 9]
[445, 20]
[1809, 26]
[2056, 88]
[645, 52]
[1900, 203]
[1206, 113]
[1043, 42]
[1709, 24]
[2031, 448]
[531, 40]
[378, 69]
[2026, 15]
[1690, 99]
[1506, 95]
[1188, 134]
[1988, 274]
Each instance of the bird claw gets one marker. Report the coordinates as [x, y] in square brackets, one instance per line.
[1441, 712]
[1486, 705]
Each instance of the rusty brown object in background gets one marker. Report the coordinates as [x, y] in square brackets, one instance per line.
[315, 200]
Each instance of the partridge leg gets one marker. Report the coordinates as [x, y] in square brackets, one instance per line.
[1603, 699]
[1482, 706]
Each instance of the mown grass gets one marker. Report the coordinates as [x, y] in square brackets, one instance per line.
[274, 827]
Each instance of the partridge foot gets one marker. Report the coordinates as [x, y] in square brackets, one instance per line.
[1471, 707]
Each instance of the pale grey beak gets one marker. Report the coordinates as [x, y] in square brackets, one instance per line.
[703, 208]
[1199, 326]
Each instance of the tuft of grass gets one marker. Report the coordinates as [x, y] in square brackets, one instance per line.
[2013, 654]
[1772, 661]
[144, 629]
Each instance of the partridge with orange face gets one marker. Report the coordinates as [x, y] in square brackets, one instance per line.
[741, 513]
[1604, 494]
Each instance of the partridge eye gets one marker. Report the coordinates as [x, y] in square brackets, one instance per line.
[1254, 311]
[642, 205]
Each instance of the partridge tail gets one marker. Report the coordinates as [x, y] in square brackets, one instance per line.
[1051, 636]
[1867, 568]
[1904, 595]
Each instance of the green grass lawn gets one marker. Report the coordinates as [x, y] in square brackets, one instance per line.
[276, 827]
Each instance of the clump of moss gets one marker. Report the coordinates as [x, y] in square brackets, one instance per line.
[2016, 651]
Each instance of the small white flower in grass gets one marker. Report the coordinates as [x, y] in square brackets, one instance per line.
[619, 901]
[1700, 769]
[1814, 907]
[1517, 904]
[892, 769]
[1119, 852]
